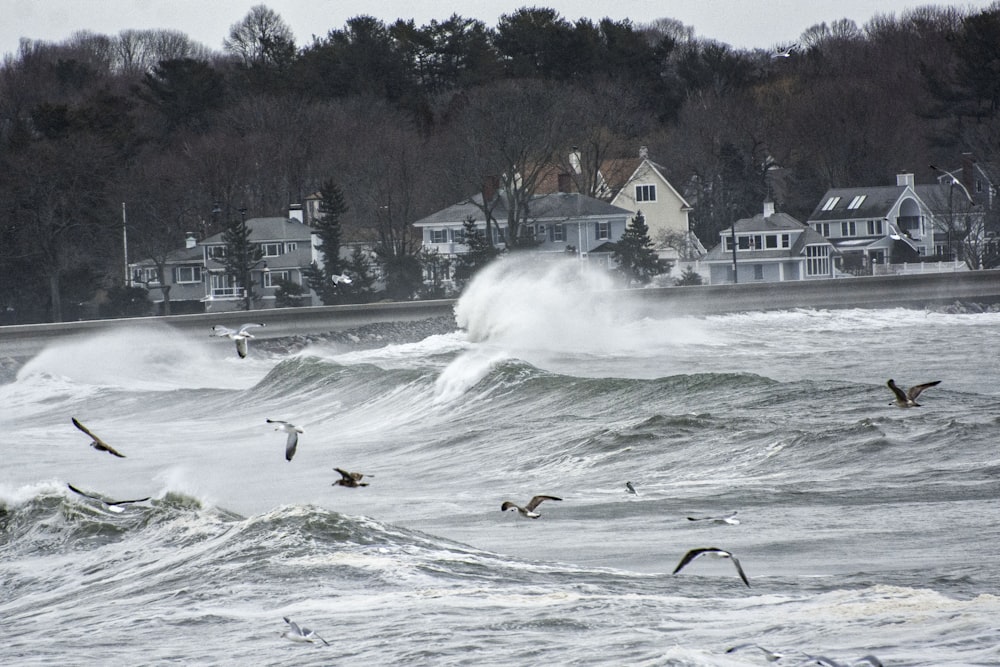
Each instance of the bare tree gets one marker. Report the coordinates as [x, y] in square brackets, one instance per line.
[261, 38]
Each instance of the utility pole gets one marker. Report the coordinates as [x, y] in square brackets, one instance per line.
[246, 258]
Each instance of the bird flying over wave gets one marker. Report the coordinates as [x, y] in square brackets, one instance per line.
[292, 441]
[112, 505]
[239, 336]
[527, 510]
[97, 443]
[908, 399]
[350, 479]
[714, 552]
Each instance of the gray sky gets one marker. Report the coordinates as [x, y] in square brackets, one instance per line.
[739, 23]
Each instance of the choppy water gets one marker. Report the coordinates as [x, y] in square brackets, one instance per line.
[865, 528]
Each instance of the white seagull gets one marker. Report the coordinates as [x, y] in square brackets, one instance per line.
[908, 399]
[111, 504]
[787, 53]
[97, 443]
[293, 435]
[527, 510]
[729, 519]
[342, 278]
[715, 552]
[301, 634]
[240, 335]
[770, 656]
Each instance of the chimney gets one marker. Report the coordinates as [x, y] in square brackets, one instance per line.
[643, 152]
[904, 179]
[565, 183]
[189, 240]
[490, 187]
[768, 209]
[295, 212]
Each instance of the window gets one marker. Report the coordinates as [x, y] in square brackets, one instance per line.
[875, 228]
[558, 232]
[291, 246]
[743, 242]
[270, 249]
[757, 243]
[817, 260]
[771, 241]
[458, 236]
[216, 251]
[539, 230]
[857, 201]
[847, 229]
[274, 278]
[758, 271]
[602, 231]
[187, 274]
[786, 240]
[439, 236]
[830, 203]
[223, 285]
[146, 276]
[645, 193]
[728, 241]
[499, 235]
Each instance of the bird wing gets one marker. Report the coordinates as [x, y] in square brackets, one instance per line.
[250, 325]
[349, 476]
[275, 421]
[84, 494]
[290, 444]
[915, 390]
[98, 443]
[688, 557]
[104, 500]
[896, 390]
[508, 505]
[219, 330]
[241, 347]
[739, 569]
[293, 625]
[537, 500]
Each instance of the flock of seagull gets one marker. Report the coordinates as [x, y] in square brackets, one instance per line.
[296, 633]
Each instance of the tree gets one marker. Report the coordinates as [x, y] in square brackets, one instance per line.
[261, 38]
[480, 253]
[688, 277]
[331, 207]
[634, 253]
[241, 257]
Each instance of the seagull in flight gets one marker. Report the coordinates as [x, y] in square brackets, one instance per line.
[97, 443]
[787, 53]
[770, 656]
[729, 519]
[351, 479]
[908, 399]
[342, 278]
[302, 635]
[239, 336]
[527, 510]
[293, 435]
[715, 552]
[112, 505]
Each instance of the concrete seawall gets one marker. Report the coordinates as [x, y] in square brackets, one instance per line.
[914, 291]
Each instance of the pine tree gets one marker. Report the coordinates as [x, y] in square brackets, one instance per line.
[481, 252]
[331, 207]
[241, 257]
[634, 253]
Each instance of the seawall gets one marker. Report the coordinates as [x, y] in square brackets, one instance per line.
[911, 291]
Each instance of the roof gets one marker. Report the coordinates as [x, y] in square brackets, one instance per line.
[777, 222]
[270, 229]
[557, 207]
[181, 256]
[877, 203]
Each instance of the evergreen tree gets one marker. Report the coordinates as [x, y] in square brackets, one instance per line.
[362, 272]
[688, 277]
[481, 252]
[331, 207]
[241, 257]
[634, 253]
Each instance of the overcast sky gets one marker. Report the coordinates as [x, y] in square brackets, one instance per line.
[739, 23]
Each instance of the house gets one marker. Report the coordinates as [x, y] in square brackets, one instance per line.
[769, 247]
[637, 184]
[197, 278]
[874, 226]
[287, 248]
[183, 279]
[561, 223]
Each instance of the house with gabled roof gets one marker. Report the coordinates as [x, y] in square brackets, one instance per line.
[769, 247]
[636, 184]
[287, 249]
[183, 279]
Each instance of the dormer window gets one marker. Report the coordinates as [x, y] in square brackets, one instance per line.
[856, 202]
[830, 203]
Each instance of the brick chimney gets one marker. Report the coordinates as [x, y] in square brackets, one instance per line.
[490, 187]
[968, 171]
[565, 183]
